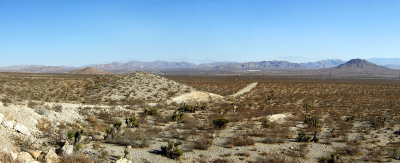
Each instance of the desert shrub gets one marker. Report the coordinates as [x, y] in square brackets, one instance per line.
[273, 158]
[7, 158]
[188, 108]
[136, 139]
[131, 122]
[220, 122]
[23, 142]
[220, 160]
[44, 125]
[57, 108]
[311, 121]
[242, 140]
[347, 151]
[32, 104]
[332, 158]
[378, 122]
[172, 150]
[272, 139]
[76, 158]
[203, 143]
[126, 152]
[70, 134]
[177, 116]
[394, 151]
[6, 101]
[268, 124]
[315, 137]
[302, 137]
[151, 112]
[117, 124]
[242, 154]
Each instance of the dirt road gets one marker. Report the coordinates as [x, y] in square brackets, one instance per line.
[246, 89]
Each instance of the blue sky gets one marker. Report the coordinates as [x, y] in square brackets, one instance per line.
[76, 32]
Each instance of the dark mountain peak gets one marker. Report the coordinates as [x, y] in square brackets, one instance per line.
[358, 63]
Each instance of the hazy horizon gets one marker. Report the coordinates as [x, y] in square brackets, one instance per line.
[77, 33]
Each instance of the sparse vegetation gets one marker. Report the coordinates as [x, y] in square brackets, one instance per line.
[172, 150]
[220, 123]
[353, 118]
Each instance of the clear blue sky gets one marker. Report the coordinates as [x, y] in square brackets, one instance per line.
[80, 32]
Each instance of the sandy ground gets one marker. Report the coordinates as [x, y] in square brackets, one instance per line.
[199, 96]
[196, 96]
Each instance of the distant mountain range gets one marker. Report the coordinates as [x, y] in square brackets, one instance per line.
[331, 65]
[89, 71]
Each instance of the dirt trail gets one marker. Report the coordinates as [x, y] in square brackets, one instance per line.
[246, 89]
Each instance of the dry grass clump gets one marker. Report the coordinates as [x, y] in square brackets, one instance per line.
[241, 140]
[44, 125]
[220, 160]
[202, 143]
[76, 158]
[348, 150]
[275, 158]
[7, 158]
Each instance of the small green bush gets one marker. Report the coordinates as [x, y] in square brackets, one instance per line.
[172, 150]
[378, 122]
[311, 121]
[332, 158]
[131, 122]
[302, 137]
[220, 122]
[126, 152]
[188, 108]
[70, 134]
[151, 112]
[177, 116]
[117, 124]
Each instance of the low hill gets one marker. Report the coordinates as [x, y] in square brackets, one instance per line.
[89, 71]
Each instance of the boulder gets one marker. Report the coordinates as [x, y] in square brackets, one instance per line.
[123, 160]
[51, 156]
[8, 124]
[36, 154]
[22, 129]
[67, 150]
[24, 157]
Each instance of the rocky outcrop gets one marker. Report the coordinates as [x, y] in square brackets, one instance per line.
[1, 118]
[24, 157]
[124, 160]
[8, 124]
[67, 150]
[22, 129]
[51, 156]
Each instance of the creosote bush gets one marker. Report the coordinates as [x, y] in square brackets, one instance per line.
[177, 116]
[203, 143]
[311, 121]
[220, 122]
[131, 122]
[188, 108]
[240, 141]
[172, 150]
[302, 137]
[150, 112]
[332, 158]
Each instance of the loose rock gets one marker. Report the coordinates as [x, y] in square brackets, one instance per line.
[22, 129]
